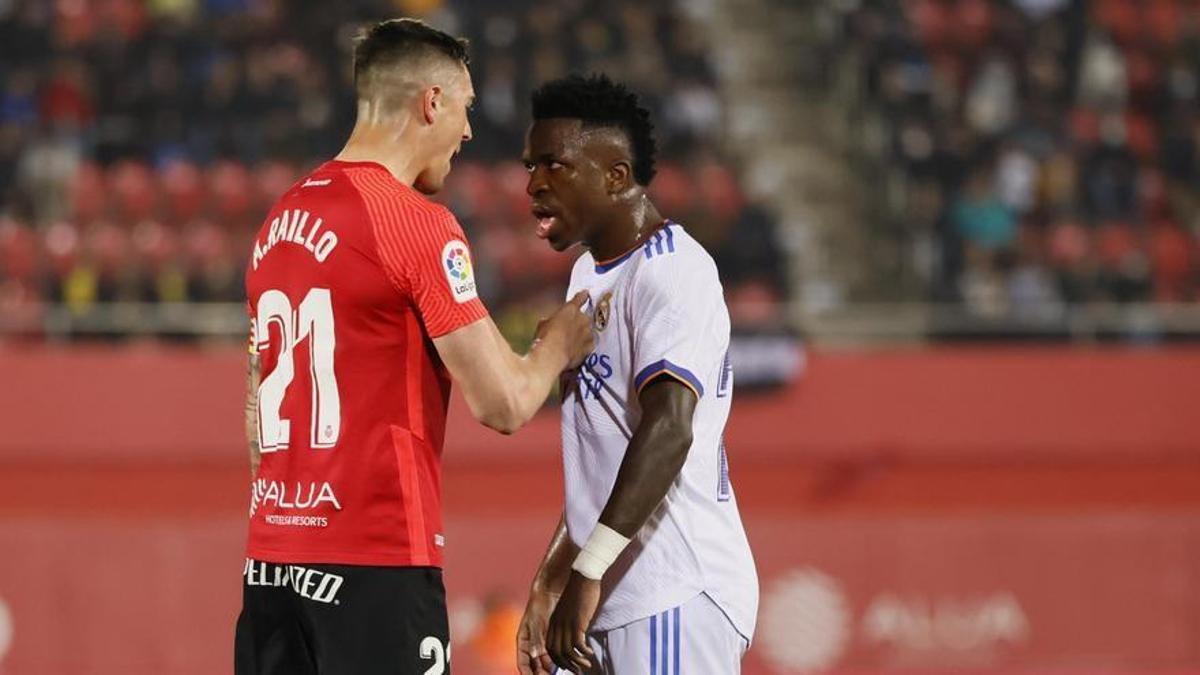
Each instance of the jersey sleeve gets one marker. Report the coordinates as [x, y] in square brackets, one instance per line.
[678, 319]
[428, 259]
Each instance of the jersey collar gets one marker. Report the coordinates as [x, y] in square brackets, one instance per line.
[603, 266]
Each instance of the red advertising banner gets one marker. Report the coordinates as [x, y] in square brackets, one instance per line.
[1013, 511]
[89, 588]
[154, 404]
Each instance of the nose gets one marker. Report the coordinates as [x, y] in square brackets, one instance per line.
[467, 132]
[537, 182]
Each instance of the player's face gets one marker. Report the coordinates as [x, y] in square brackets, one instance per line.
[566, 182]
[450, 129]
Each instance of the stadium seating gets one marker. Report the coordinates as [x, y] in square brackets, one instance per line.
[174, 126]
[1080, 118]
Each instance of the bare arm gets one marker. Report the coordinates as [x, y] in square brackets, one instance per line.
[253, 375]
[652, 462]
[655, 455]
[504, 390]
[548, 585]
[555, 569]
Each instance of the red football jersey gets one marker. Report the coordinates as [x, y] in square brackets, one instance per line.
[351, 276]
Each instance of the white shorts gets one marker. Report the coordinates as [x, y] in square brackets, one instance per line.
[695, 638]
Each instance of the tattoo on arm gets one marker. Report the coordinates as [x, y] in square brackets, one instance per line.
[253, 374]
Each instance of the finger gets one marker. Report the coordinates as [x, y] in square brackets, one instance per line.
[554, 646]
[579, 300]
[546, 665]
[580, 651]
[564, 654]
[527, 654]
[581, 643]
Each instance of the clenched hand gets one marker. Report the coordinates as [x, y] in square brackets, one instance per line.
[566, 637]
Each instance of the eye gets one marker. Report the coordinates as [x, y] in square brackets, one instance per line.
[555, 166]
[529, 166]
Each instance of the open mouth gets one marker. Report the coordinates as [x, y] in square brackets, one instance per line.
[546, 219]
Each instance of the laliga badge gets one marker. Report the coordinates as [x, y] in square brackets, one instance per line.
[456, 263]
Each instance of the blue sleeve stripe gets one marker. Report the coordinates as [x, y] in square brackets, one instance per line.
[665, 367]
[670, 237]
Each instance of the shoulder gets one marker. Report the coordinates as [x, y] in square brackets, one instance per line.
[671, 260]
[392, 204]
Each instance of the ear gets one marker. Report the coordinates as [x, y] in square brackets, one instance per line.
[431, 103]
[619, 177]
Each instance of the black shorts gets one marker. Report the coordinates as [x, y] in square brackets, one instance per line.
[341, 620]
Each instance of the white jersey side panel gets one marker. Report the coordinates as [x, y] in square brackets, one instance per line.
[658, 310]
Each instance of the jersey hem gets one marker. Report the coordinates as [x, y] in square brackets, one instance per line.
[622, 621]
[662, 603]
[334, 558]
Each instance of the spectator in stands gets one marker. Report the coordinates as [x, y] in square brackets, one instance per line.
[133, 135]
[1092, 108]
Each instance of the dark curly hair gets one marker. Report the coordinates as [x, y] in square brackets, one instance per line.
[597, 101]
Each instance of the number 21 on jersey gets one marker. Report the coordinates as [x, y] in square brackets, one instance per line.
[313, 320]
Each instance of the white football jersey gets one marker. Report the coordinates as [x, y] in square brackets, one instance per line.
[658, 309]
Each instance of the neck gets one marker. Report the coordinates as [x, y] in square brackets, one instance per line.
[629, 229]
[388, 143]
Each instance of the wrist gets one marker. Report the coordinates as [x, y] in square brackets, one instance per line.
[552, 349]
[599, 552]
[543, 587]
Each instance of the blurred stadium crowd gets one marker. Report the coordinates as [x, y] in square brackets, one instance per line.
[141, 143]
[1034, 154]
[1039, 152]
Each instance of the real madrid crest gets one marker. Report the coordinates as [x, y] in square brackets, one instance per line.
[603, 311]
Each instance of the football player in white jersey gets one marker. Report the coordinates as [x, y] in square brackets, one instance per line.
[649, 572]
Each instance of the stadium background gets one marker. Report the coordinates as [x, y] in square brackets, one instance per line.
[958, 239]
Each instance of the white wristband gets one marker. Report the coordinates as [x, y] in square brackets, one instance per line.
[598, 554]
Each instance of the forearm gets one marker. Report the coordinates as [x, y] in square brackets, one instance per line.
[504, 389]
[537, 372]
[555, 569]
[252, 379]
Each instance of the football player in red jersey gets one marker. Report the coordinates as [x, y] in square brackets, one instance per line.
[363, 308]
